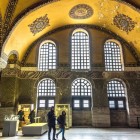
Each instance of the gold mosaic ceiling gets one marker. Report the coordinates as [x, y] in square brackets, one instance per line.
[25, 22]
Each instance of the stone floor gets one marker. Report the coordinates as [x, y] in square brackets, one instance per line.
[87, 134]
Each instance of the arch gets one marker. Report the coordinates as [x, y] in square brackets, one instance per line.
[81, 91]
[13, 57]
[46, 91]
[113, 55]
[117, 94]
[80, 50]
[47, 56]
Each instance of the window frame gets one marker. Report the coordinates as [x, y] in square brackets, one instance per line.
[44, 61]
[50, 84]
[116, 92]
[78, 61]
[116, 103]
[78, 85]
[46, 102]
[81, 99]
[112, 64]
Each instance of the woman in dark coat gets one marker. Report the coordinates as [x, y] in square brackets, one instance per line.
[62, 122]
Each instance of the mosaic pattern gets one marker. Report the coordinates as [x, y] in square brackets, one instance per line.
[8, 17]
[124, 22]
[0, 30]
[81, 11]
[39, 24]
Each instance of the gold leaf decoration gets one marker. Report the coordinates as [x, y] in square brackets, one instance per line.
[124, 22]
[81, 11]
[39, 24]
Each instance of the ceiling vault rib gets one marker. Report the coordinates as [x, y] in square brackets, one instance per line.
[1, 40]
[130, 2]
[8, 18]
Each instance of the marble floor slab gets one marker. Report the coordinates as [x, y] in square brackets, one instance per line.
[86, 134]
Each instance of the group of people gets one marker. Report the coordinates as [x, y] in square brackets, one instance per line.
[51, 118]
[51, 124]
[31, 116]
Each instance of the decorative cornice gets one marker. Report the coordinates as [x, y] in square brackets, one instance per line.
[81, 26]
[8, 16]
[30, 65]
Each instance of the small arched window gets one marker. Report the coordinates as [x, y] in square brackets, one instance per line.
[47, 56]
[81, 94]
[80, 50]
[46, 93]
[113, 56]
[116, 94]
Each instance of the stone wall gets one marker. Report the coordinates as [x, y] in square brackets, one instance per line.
[5, 111]
[119, 118]
[81, 118]
[22, 89]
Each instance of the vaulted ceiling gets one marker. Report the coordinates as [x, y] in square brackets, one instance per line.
[24, 21]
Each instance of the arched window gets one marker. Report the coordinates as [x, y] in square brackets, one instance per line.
[46, 93]
[80, 51]
[116, 95]
[81, 94]
[47, 56]
[113, 56]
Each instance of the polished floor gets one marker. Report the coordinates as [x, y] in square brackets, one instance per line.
[87, 134]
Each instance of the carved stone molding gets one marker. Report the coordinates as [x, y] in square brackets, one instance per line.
[39, 24]
[38, 74]
[95, 75]
[8, 72]
[81, 11]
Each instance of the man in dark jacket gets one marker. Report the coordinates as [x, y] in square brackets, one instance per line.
[32, 116]
[51, 123]
[62, 122]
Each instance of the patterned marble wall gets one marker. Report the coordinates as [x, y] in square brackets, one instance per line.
[20, 87]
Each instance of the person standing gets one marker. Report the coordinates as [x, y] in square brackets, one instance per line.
[51, 123]
[32, 116]
[21, 117]
[62, 122]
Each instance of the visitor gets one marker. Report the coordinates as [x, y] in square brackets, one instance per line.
[21, 117]
[32, 116]
[62, 123]
[51, 123]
